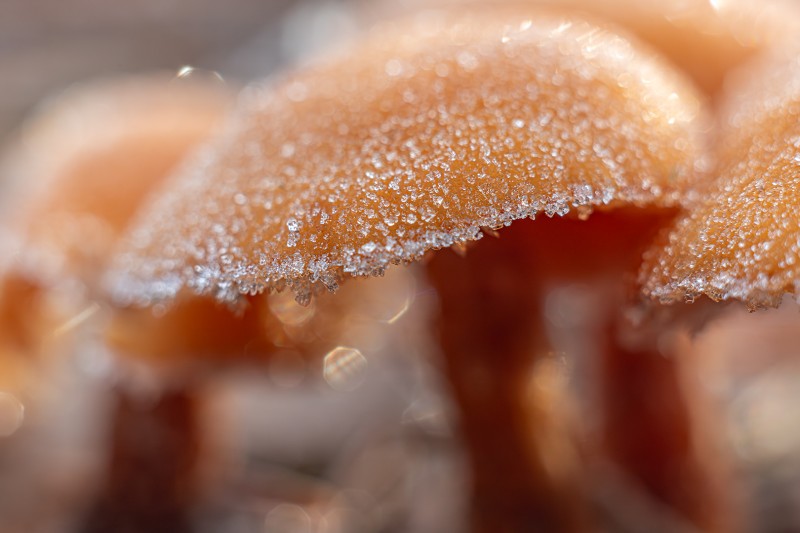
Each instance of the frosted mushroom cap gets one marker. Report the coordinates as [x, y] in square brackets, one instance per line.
[705, 39]
[413, 140]
[743, 241]
[89, 157]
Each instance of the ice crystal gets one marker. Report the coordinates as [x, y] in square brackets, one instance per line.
[742, 242]
[413, 140]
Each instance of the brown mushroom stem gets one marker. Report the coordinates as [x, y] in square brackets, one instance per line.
[650, 434]
[154, 469]
[150, 481]
[489, 327]
[524, 448]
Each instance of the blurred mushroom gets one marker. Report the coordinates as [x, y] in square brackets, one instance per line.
[82, 167]
[437, 130]
[705, 39]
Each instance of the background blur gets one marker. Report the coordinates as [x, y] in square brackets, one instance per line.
[46, 45]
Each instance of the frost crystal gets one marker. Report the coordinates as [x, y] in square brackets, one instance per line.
[426, 132]
[743, 240]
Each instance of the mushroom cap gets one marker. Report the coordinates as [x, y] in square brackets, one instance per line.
[88, 158]
[704, 39]
[411, 141]
[742, 241]
[83, 165]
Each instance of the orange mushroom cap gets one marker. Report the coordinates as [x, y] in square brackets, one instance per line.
[90, 156]
[742, 242]
[425, 132]
[704, 39]
[83, 165]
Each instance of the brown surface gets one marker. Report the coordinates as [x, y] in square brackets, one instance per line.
[523, 459]
[651, 433]
[150, 484]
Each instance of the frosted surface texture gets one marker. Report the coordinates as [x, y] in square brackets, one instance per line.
[743, 241]
[413, 140]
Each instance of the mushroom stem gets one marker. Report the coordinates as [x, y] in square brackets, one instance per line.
[650, 430]
[523, 460]
[517, 414]
[647, 430]
[149, 484]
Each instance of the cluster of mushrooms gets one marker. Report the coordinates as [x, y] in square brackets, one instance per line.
[514, 154]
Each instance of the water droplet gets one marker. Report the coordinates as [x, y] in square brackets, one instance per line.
[286, 309]
[344, 368]
[12, 413]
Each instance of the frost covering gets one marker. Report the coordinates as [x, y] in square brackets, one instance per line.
[412, 140]
[743, 241]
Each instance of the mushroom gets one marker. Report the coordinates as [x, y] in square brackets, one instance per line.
[706, 40]
[437, 131]
[740, 242]
[84, 163]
